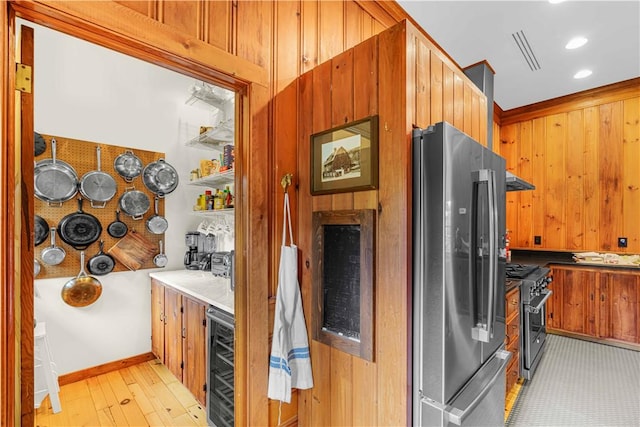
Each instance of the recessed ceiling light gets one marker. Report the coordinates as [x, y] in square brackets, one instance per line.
[582, 74]
[576, 42]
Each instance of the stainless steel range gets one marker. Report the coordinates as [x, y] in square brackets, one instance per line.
[533, 297]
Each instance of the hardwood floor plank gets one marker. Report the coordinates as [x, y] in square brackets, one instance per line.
[143, 400]
[146, 394]
[163, 372]
[128, 404]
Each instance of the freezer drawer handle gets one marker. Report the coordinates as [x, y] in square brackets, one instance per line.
[456, 415]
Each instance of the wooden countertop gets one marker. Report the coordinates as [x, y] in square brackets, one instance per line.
[201, 285]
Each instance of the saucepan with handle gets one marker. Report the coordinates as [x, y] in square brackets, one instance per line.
[53, 255]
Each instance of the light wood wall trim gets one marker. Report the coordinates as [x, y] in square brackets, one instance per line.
[588, 98]
[105, 368]
[164, 45]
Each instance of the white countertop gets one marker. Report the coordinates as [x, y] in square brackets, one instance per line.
[201, 285]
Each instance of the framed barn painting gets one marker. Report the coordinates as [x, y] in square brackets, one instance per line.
[345, 158]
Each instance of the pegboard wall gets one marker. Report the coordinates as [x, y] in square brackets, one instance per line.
[81, 155]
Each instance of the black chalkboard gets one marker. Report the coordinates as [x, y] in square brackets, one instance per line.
[341, 278]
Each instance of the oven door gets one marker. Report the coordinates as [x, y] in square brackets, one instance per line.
[534, 332]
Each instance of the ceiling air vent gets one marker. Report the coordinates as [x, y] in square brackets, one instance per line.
[527, 52]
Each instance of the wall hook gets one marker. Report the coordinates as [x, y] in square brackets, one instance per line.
[286, 181]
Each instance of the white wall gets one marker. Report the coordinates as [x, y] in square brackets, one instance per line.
[86, 92]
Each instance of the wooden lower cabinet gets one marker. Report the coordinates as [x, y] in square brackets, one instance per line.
[595, 302]
[178, 336]
[512, 337]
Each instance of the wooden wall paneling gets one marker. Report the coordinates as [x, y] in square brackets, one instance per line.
[342, 109]
[482, 135]
[525, 210]
[321, 111]
[459, 106]
[365, 78]
[353, 24]
[437, 86]
[254, 31]
[184, 15]
[554, 188]
[539, 166]
[447, 94]
[342, 395]
[631, 173]
[610, 156]
[367, 26]
[321, 353]
[309, 30]
[331, 29]
[286, 49]
[285, 160]
[591, 178]
[305, 239]
[392, 309]
[574, 187]
[467, 126]
[509, 150]
[475, 117]
[219, 24]
[422, 86]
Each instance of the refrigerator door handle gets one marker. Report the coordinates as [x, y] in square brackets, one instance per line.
[457, 415]
[484, 332]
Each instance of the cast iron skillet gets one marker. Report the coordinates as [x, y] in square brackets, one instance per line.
[80, 229]
[117, 228]
[41, 230]
[101, 263]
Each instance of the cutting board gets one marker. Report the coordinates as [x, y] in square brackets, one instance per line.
[133, 250]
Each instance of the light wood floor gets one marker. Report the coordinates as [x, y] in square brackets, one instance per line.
[147, 394]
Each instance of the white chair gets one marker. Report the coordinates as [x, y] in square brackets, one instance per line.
[46, 377]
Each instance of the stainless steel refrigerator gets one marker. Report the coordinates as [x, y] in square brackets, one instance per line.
[459, 253]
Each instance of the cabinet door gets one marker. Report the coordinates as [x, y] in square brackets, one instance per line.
[575, 297]
[173, 331]
[554, 303]
[157, 319]
[619, 296]
[195, 348]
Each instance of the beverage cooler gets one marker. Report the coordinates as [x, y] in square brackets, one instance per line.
[220, 368]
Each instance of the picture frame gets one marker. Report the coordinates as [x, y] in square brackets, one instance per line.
[345, 158]
[343, 284]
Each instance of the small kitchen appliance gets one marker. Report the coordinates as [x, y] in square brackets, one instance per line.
[191, 240]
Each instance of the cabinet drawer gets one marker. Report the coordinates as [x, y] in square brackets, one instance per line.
[513, 371]
[513, 302]
[513, 331]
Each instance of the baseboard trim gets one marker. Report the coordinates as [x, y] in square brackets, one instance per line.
[83, 374]
[605, 341]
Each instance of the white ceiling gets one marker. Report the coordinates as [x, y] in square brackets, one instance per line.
[473, 31]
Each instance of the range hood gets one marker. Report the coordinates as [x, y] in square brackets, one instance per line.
[515, 183]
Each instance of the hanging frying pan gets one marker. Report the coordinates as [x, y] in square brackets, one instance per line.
[128, 165]
[83, 290]
[80, 229]
[160, 178]
[36, 268]
[41, 229]
[157, 224]
[97, 186]
[55, 181]
[134, 203]
[160, 260]
[101, 263]
[40, 145]
[117, 228]
[53, 255]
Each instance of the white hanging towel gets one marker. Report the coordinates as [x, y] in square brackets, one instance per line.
[290, 361]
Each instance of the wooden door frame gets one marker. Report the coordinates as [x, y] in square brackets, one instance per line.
[252, 235]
